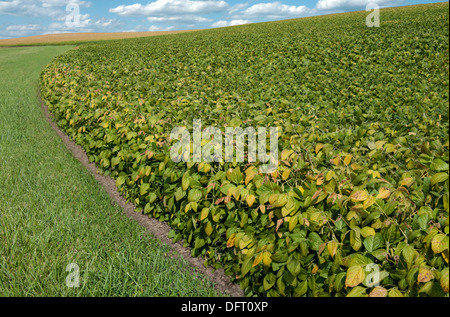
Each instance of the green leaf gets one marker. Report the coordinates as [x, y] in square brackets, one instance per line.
[394, 292]
[246, 266]
[269, 281]
[409, 254]
[367, 232]
[194, 195]
[439, 178]
[355, 238]
[293, 266]
[152, 197]
[373, 243]
[185, 182]
[439, 165]
[199, 242]
[236, 176]
[281, 286]
[120, 181]
[357, 291]
[301, 288]
[179, 194]
[315, 241]
[280, 256]
[356, 259]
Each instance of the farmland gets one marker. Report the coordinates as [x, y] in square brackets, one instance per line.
[76, 38]
[361, 189]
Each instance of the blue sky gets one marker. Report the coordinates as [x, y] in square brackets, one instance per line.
[20, 18]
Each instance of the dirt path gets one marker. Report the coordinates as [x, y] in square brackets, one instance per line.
[159, 229]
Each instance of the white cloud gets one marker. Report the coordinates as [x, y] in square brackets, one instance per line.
[222, 23]
[351, 4]
[171, 7]
[64, 3]
[42, 8]
[274, 10]
[20, 30]
[238, 7]
[155, 28]
[24, 27]
[86, 24]
[179, 18]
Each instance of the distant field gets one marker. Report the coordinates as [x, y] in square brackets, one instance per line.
[79, 37]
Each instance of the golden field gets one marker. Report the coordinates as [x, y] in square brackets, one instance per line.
[79, 37]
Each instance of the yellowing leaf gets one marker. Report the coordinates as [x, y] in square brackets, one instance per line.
[369, 202]
[425, 274]
[330, 175]
[231, 240]
[319, 146]
[250, 199]
[250, 173]
[439, 243]
[444, 280]
[285, 154]
[378, 292]
[315, 269]
[267, 258]
[293, 221]
[383, 193]
[407, 182]
[273, 198]
[348, 159]
[390, 148]
[285, 174]
[208, 229]
[367, 232]
[336, 161]
[355, 276]
[445, 255]
[257, 259]
[332, 247]
[204, 213]
[359, 195]
[379, 144]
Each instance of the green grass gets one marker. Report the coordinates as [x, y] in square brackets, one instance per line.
[53, 212]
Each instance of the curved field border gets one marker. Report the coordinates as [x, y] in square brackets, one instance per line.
[54, 213]
[159, 229]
